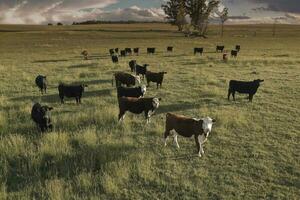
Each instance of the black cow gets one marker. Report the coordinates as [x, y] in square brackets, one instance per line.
[220, 49]
[69, 91]
[41, 82]
[169, 49]
[136, 51]
[244, 88]
[126, 79]
[123, 53]
[111, 52]
[234, 53]
[132, 65]
[137, 106]
[141, 70]
[150, 50]
[115, 58]
[155, 77]
[131, 92]
[238, 47]
[41, 116]
[128, 51]
[198, 50]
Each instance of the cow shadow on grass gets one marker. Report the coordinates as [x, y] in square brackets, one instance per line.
[50, 61]
[78, 66]
[82, 158]
[54, 98]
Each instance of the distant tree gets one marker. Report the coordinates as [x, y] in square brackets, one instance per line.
[59, 24]
[175, 11]
[199, 12]
[50, 24]
[224, 17]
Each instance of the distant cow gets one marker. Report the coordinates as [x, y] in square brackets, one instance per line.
[85, 54]
[115, 58]
[188, 127]
[198, 50]
[238, 47]
[111, 52]
[141, 70]
[155, 78]
[169, 49]
[220, 49]
[126, 79]
[132, 65]
[234, 53]
[71, 91]
[128, 51]
[137, 106]
[41, 116]
[150, 50]
[136, 51]
[41, 82]
[123, 53]
[131, 92]
[244, 88]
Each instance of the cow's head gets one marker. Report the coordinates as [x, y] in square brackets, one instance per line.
[258, 81]
[207, 123]
[137, 79]
[143, 89]
[84, 86]
[46, 115]
[146, 65]
[155, 102]
[163, 73]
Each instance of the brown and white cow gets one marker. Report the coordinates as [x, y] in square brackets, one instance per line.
[188, 127]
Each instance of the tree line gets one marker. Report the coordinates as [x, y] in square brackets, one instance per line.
[197, 11]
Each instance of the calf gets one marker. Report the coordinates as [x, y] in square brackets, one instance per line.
[198, 50]
[150, 50]
[188, 127]
[123, 53]
[41, 82]
[132, 65]
[128, 51]
[41, 116]
[69, 91]
[141, 70]
[115, 58]
[126, 79]
[220, 49]
[244, 88]
[111, 52]
[169, 49]
[155, 78]
[131, 92]
[137, 106]
[238, 47]
[136, 51]
[234, 53]
[85, 54]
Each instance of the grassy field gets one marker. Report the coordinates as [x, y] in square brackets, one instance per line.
[252, 153]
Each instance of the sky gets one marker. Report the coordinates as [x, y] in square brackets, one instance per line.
[68, 11]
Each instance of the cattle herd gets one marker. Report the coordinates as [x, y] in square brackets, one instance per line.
[131, 96]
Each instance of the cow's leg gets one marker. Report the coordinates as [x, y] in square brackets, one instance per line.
[166, 135]
[77, 100]
[233, 95]
[201, 141]
[250, 97]
[147, 116]
[197, 145]
[157, 85]
[229, 93]
[121, 115]
[175, 139]
[61, 98]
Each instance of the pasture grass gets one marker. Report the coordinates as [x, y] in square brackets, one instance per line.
[252, 153]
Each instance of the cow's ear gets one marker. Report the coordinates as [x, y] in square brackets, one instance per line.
[159, 99]
[214, 121]
[50, 108]
[85, 85]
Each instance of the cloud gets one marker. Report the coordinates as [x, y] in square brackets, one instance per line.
[291, 6]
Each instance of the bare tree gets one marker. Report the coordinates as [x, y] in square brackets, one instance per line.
[175, 11]
[199, 12]
[224, 17]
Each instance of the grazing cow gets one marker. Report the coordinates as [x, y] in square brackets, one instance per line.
[126, 79]
[238, 47]
[220, 49]
[85, 54]
[123, 53]
[69, 91]
[117, 50]
[198, 50]
[128, 51]
[155, 78]
[234, 53]
[244, 88]
[188, 127]
[41, 82]
[41, 116]
[111, 52]
[169, 49]
[131, 92]
[137, 106]
[150, 50]
[115, 58]
[132, 65]
[136, 51]
[141, 70]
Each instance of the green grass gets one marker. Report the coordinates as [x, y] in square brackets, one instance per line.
[252, 153]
